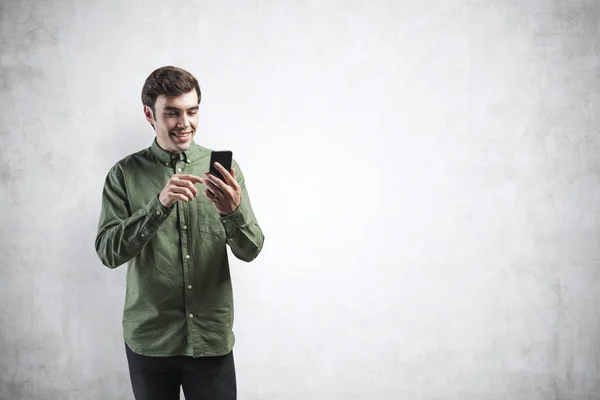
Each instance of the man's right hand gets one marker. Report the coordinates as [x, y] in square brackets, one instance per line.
[179, 187]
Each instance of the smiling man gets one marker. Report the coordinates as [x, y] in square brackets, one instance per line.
[178, 314]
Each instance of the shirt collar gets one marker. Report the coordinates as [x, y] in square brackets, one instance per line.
[167, 158]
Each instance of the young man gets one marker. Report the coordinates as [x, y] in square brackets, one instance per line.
[178, 314]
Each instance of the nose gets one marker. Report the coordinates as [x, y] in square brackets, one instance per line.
[184, 122]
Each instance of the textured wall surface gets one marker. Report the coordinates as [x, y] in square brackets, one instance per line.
[426, 174]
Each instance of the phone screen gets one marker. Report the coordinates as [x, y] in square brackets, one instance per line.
[224, 158]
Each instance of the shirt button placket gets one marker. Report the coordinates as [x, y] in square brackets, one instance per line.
[188, 270]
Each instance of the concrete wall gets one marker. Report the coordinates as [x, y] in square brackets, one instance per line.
[425, 172]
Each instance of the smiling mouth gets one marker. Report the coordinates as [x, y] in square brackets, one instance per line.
[182, 134]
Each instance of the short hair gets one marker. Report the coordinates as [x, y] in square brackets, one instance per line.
[168, 81]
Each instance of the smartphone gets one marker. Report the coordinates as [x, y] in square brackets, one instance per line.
[223, 157]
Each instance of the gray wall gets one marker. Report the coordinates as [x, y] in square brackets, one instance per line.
[425, 172]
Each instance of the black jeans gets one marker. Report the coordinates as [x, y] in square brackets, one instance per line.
[161, 378]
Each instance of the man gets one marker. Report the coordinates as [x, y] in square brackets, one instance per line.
[178, 314]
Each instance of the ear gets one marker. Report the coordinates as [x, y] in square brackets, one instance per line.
[149, 115]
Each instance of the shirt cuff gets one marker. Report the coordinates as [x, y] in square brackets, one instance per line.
[156, 211]
[235, 220]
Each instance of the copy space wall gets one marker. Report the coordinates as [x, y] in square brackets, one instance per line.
[425, 174]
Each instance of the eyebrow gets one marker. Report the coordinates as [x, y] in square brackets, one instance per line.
[167, 108]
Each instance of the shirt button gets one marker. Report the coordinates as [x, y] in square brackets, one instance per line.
[179, 170]
[185, 227]
[187, 256]
[157, 212]
[191, 315]
[189, 286]
[167, 164]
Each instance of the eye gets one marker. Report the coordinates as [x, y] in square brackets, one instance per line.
[193, 112]
[171, 114]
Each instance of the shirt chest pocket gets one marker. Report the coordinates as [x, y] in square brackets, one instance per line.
[208, 217]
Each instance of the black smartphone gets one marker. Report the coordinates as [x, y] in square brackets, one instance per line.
[223, 157]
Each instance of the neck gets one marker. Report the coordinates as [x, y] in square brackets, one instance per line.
[162, 146]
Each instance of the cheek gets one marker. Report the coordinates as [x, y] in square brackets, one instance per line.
[167, 125]
[163, 128]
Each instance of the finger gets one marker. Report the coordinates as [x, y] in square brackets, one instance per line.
[213, 188]
[211, 196]
[191, 187]
[209, 191]
[226, 175]
[210, 179]
[189, 177]
[231, 181]
[186, 191]
[193, 179]
[180, 190]
[215, 181]
[182, 197]
[235, 183]
[187, 184]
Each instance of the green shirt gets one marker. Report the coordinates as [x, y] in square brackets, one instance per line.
[178, 298]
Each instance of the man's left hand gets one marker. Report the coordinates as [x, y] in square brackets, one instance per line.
[225, 195]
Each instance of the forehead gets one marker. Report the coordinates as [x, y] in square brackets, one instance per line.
[182, 102]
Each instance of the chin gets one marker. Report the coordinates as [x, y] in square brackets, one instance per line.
[179, 144]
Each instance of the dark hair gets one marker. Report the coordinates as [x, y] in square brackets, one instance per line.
[168, 81]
